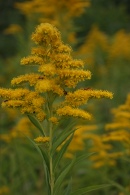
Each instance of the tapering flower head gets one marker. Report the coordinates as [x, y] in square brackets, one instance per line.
[56, 80]
[115, 143]
[119, 129]
[54, 8]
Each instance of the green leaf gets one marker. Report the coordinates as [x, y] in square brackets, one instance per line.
[89, 189]
[36, 123]
[61, 139]
[61, 152]
[47, 178]
[120, 187]
[42, 153]
[69, 187]
[61, 177]
[66, 129]
[82, 157]
[46, 158]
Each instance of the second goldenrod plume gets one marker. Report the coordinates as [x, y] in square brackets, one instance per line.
[58, 75]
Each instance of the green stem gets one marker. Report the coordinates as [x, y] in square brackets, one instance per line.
[50, 149]
[51, 162]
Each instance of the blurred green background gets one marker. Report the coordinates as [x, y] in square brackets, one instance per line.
[100, 35]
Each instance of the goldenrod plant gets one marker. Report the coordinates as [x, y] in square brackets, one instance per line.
[104, 152]
[53, 101]
[107, 56]
[118, 135]
[53, 10]
[119, 129]
[114, 143]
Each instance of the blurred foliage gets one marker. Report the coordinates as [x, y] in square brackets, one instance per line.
[108, 57]
[100, 36]
[109, 16]
[9, 15]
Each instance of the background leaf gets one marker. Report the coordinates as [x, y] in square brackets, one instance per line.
[68, 188]
[61, 152]
[61, 139]
[89, 189]
[42, 153]
[61, 177]
[82, 157]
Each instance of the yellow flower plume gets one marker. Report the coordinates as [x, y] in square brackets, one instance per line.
[58, 74]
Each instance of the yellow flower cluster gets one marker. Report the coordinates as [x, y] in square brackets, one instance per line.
[69, 111]
[53, 7]
[95, 41]
[27, 101]
[109, 49]
[78, 141]
[54, 120]
[99, 39]
[59, 74]
[31, 78]
[121, 50]
[22, 128]
[81, 96]
[13, 29]
[118, 131]
[4, 190]
[47, 34]
[41, 139]
[103, 155]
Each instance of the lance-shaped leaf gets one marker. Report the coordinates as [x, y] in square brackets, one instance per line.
[68, 127]
[61, 139]
[83, 157]
[47, 178]
[61, 177]
[42, 153]
[68, 188]
[61, 152]
[89, 189]
[118, 186]
[45, 159]
[36, 123]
